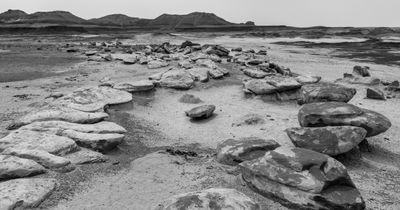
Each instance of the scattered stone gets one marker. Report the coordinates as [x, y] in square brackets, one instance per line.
[259, 87]
[329, 140]
[308, 79]
[136, 86]
[211, 199]
[361, 71]
[375, 93]
[177, 79]
[342, 114]
[254, 73]
[25, 193]
[98, 142]
[85, 156]
[42, 157]
[190, 99]
[12, 167]
[325, 92]
[201, 112]
[233, 152]
[302, 179]
[200, 74]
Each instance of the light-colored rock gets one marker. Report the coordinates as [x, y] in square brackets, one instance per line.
[129, 60]
[177, 79]
[210, 199]
[86, 156]
[185, 64]
[98, 142]
[136, 86]
[57, 126]
[12, 167]
[254, 73]
[25, 193]
[156, 64]
[325, 92]
[307, 79]
[207, 63]
[42, 157]
[200, 74]
[259, 87]
[233, 152]
[283, 83]
[215, 73]
[202, 112]
[327, 140]
[27, 139]
[302, 179]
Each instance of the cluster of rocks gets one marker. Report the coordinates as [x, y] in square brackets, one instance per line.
[67, 131]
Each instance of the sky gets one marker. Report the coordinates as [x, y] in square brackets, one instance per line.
[302, 13]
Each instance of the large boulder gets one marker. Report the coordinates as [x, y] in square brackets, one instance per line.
[33, 140]
[42, 157]
[361, 71]
[201, 112]
[135, 86]
[324, 92]
[340, 114]
[327, 140]
[302, 179]
[177, 79]
[25, 193]
[233, 152]
[375, 93]
[14, 167]
[211, 199]
[259, 87]
[58, 113]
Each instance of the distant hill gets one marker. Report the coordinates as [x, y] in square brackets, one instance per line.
[116, 20]
[12, 16]
[194, 19]
[57, 17]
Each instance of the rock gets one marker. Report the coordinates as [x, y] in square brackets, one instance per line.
[130, 60]
[207, 63]
[215, 58]
[156, 76]
[238, 49]
[25, 193]
[200, 74]
[49, 113]
[136, 86]
[327, 140]
[308, 79]
[55, 95]
[255, 62]
[57, 126]
[283, 83]
[177, 79]
[215, 73]
[251, 119]
[254, 73]
[217, 50]
[156, 64]
[259, 87]
[233, 152]
[190, 99]
[325, 92]
[223, 70]
[42, 157]
[375, 93]
[360, 80]
[361, 71]
[33, 140]
[210, 199]
[262, 52]
[92, 99]
[302, 179]
[107, 57]
[98, 142]
[85, 156]
[201, 112]
[90, 53]
[185, 64]
[188, 44]
[342, 114]
[12, 167]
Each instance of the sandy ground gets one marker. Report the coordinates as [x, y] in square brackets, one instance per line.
[138, 178]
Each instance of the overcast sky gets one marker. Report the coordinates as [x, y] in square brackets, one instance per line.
[263, 12]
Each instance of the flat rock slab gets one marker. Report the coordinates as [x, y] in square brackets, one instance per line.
[308, 79]
[201, 112]
[177, 79]
[85, 156]
[327, 140]
[61, 113]
[200, 74]
[136, 86]
[254, 73]
[211, 199]
[282, 83]
[302, 179]
[155, 64]
[259, 87]
[325, 92]
[233, 152]
[12, 167]
[341, 114]
[25, 193]
[42, 157]
[93, 99]
[98, 142]
[216, 73]
[33, 140]
[57, 126]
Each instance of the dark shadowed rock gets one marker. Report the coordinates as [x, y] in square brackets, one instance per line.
[25, 193]
[340, 114]
[324, 92]
[375, 93]
[211, 199]
[177, 79]
[251, 119]
[361, 71]
[327, 140]
[201, 112]
[12, 167]
[190, 99]
[302, 179]
[188, 44]
[233, 152]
